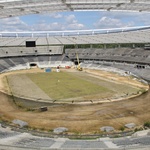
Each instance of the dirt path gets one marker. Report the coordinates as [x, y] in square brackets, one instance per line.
[83, 118]
[115, 77]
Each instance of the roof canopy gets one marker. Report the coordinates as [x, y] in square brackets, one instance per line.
[134, 36]
[11, 8]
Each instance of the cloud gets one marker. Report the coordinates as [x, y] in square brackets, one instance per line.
[128, 18]
[56, 26]
[53, 15]
[69, 23]
[70, 19]
[72, 23]
[43, 23]
[143, 18]
[13, 24]
[44, 26]
[106, 22]
[76, 26]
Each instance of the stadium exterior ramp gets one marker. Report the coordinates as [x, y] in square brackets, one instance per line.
[11, 8]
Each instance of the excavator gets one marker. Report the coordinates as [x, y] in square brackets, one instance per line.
[79, 68]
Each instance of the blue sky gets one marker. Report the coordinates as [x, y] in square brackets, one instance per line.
[75, 21]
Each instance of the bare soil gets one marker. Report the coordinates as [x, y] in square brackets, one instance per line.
[80, 118]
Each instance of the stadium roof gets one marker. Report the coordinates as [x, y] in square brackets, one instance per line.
[11, 8]
[141, 35]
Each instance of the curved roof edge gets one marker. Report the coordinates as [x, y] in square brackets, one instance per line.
[71, 32]
[11, 8]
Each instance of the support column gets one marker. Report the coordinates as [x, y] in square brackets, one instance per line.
[105, 46]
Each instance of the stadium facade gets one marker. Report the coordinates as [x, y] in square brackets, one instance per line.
[126, 49]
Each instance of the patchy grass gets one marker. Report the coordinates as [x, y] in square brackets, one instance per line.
[68, 87]
[65, 85]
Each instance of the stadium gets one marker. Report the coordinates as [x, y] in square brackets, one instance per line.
[58, 86]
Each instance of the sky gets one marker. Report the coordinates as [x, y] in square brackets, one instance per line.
[83, 20]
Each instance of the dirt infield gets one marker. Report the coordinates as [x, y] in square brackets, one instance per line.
[80, 118]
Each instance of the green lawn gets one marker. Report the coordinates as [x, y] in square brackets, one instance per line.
[65, 85]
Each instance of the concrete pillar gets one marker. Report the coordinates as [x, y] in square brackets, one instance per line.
[105, 46]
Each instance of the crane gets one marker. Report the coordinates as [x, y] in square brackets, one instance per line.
[78, 66]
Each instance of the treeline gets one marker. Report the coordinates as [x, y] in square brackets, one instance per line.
[128, 45]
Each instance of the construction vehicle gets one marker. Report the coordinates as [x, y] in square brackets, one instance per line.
[79, 68]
